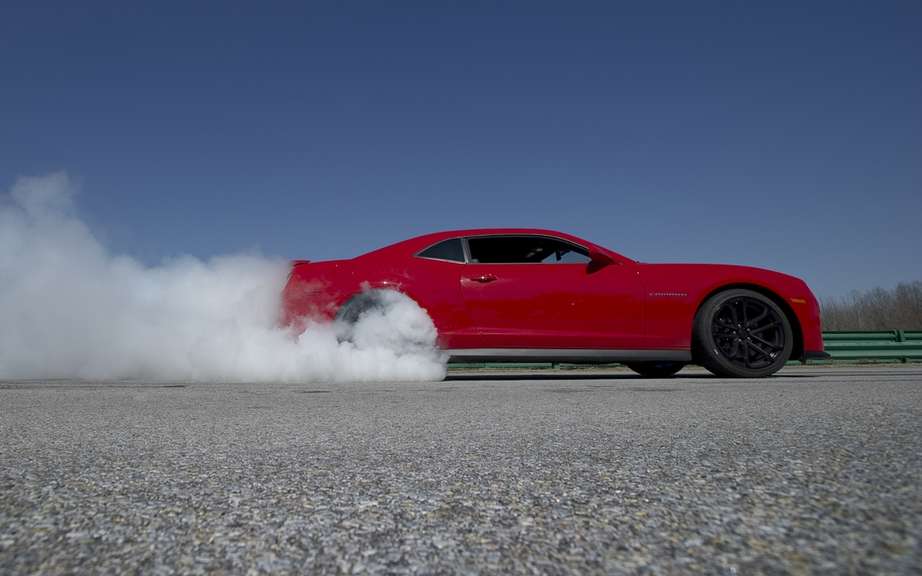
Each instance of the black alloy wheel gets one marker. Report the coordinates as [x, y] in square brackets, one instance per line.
[742, 333]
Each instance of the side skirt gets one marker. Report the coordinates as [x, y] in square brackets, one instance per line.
[575, 356]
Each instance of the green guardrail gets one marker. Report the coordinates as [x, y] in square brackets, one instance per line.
[892, 345]
[880, 346]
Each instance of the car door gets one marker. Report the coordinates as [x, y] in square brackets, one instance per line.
[532, 291]
[432, 280]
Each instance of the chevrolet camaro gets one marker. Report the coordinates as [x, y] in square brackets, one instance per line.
[539, 295]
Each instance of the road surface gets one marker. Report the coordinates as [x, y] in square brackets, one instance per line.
[550, 472]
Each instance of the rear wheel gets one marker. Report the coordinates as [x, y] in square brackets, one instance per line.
[742, 334]
[362, 302]
[350, 312]
[656, 369]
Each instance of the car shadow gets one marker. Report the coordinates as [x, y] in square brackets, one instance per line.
[597, 376]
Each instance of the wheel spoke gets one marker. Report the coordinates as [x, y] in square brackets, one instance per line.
[761, 329]
[743, 311]
[755, 321]
[772, 347]
[734, 317]
[746, 353]
[760, 350]
[734, 349]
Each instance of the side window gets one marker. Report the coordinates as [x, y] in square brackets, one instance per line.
[445, 250]
[525, 250]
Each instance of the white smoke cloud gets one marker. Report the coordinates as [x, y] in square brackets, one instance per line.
[69, 308]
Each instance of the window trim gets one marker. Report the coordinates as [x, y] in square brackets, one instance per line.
[467, 250]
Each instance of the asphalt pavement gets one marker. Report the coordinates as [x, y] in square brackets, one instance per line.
[816, 470]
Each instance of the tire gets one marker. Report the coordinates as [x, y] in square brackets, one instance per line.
[656, 369]
[362, 302]
[742, 334]
[350, 312]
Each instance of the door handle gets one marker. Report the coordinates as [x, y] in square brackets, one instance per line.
[483, 278]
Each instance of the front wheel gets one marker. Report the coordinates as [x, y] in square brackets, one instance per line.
[656, 369]
[742, 334]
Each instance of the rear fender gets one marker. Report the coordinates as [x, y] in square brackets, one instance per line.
[351, 306]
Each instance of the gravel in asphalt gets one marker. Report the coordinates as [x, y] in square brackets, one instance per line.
[816, 470]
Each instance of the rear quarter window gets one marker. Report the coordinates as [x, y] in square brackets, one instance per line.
[450, 250]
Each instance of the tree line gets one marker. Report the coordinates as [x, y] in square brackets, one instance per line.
[878, 309]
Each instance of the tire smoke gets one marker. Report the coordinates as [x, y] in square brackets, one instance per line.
[71, 309]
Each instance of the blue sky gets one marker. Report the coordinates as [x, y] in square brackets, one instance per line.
[778, 134]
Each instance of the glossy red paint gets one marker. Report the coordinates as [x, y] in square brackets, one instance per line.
[611, 303]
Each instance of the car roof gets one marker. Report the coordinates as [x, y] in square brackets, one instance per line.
[436, 236]
[417, 243]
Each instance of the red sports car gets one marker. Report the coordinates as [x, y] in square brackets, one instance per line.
[529, 294]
